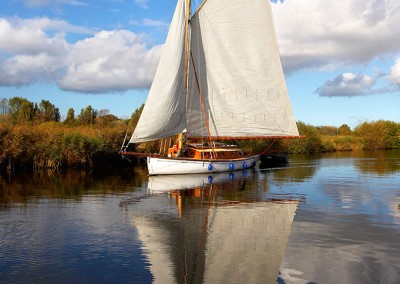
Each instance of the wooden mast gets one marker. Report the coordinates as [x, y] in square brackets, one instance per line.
[186, 63]
[182, 139]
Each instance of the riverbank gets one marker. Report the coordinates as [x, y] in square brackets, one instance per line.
[58, 145]
[55, 145]
[376, 135]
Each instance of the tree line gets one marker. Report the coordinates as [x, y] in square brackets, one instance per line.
[19, 110]
[367, 135]
[34, 135]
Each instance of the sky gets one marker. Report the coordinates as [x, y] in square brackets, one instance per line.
[341, 58]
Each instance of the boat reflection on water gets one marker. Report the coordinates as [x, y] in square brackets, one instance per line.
[212, 229]
[169, 183]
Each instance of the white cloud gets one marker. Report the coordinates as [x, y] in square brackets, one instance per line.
[321, 35]
[42, 3]
[110, 61]
[30, 36]
[27, 39]
[105, 62]
[348, 85]
[155, 23]
[28, 53]
[142, 3]
[47, 24]
[394, 75]
[27, 69]
[331, 34]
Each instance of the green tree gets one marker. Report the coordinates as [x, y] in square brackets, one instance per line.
[327, 130]
[379, 134]
[344, 129]
[87, 115]
[56, 114]
[21, 109]
[104, 117]
[4, 107]
[311, 143]
[135, 118]
[70, 116]
[47, 112]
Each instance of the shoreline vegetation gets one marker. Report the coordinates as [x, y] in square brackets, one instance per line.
[32, 135]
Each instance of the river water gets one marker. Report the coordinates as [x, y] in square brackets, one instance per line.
[333, 218]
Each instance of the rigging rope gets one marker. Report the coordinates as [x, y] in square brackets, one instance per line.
[202, 106]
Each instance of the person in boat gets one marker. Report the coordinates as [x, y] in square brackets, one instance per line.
[182, 144]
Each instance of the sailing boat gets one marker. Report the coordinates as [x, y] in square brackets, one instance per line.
[219, 78]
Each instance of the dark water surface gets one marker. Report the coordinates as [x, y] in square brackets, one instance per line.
[333, 218]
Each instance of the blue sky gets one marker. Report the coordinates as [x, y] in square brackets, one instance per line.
[341, 58]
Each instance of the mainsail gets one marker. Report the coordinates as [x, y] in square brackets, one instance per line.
[236, 87]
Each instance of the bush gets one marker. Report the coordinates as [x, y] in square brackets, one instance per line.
[79, 149]
[379, 134]
[312, 142]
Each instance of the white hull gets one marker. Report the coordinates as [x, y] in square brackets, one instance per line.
[172, 166]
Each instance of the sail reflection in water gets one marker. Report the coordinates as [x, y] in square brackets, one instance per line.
[205, 232]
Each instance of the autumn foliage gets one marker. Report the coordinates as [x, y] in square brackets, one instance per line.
[372, 135]
[33, 135]
[30, 139]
